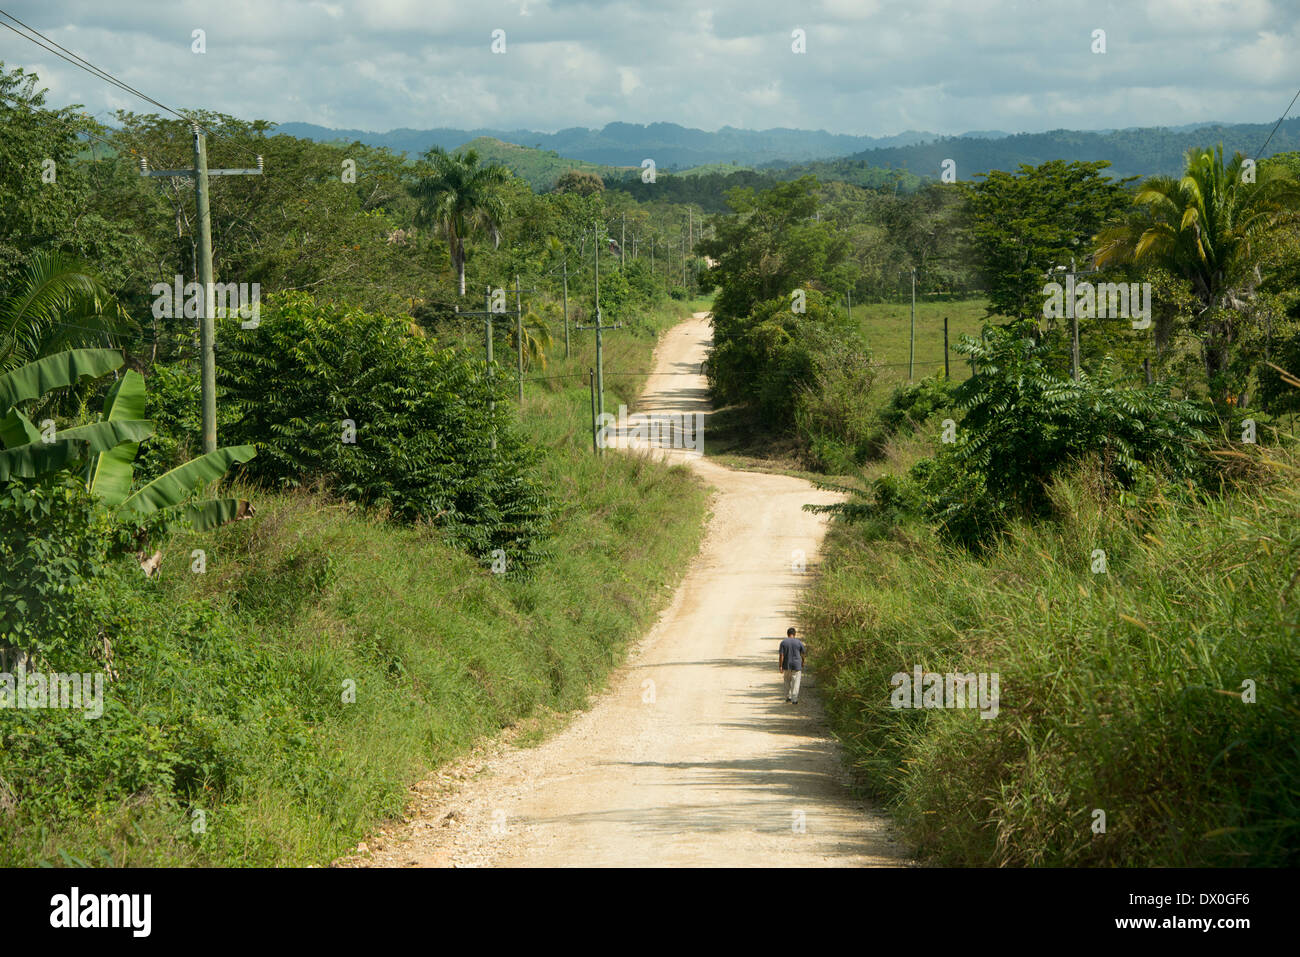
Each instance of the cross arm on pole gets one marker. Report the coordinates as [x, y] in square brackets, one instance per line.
[146, 171]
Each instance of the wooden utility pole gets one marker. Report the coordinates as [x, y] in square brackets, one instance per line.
[519, 336]
[911, 349]
[591, 379]
[566, 306]
[486, 315]
[622, 242]
[600, 328]
[207, 332]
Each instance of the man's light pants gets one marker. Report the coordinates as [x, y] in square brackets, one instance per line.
[792, 679]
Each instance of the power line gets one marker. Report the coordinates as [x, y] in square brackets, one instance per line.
[1277, 124]
[83, 64]
[80, 62]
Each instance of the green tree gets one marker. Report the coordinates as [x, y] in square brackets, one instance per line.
[387, 418]
[770, 246]
[581, 182]
[460, 198]
[1023, 225]
[1211, 227]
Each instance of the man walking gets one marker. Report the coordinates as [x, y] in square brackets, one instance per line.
[792, 654]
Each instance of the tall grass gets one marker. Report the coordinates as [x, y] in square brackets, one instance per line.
[326, 659]
[1121, 691]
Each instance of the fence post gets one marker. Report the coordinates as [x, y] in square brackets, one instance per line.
[945, 348]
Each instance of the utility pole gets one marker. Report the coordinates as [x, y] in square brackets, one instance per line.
[519, 336]
[207, 332]
[911, 350]
[566, 305]
[486, 315]
[850, 303]
[1074, 333]
[622, 242]
[600, 327]
[591, 380]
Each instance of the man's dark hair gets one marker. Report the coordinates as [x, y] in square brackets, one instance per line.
[789, 632]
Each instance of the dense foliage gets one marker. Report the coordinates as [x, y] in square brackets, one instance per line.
[385, 417]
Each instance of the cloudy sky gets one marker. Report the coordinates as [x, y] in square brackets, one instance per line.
[873, 67]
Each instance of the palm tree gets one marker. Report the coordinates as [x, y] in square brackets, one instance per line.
[57, 304]
[537, 339]
[1210, 227]
[459, 197]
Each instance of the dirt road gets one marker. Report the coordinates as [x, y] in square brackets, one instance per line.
[692, 757]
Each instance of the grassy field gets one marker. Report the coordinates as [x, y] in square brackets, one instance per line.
[275, 708]
[888, 329]
[539, 167]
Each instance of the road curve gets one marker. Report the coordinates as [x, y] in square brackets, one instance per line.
[691, 757]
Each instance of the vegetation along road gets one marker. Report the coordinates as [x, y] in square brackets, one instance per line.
[692, 756]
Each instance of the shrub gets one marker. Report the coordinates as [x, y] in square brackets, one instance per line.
[914, 402]
[831, 413]
[1022, 424]
[54, 541]
[334, 395]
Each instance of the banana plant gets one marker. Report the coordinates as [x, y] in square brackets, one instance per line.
[109, 446]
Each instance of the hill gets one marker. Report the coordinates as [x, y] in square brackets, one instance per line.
[1145, 151]
[541, 168]
[626, 144]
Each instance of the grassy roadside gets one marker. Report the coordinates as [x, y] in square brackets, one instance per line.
[274, 708]
[1120, 691]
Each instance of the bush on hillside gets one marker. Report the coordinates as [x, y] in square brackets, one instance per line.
[1022, 425]
[354, 401]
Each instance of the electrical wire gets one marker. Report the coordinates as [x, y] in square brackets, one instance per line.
[1277, 124]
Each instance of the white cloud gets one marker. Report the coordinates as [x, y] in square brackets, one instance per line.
[872, 66]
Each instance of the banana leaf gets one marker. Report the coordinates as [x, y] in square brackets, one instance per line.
[54, 372]
[16, 429]
[172, 488]
[104, 436]
[112, 471]
[37, 458]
